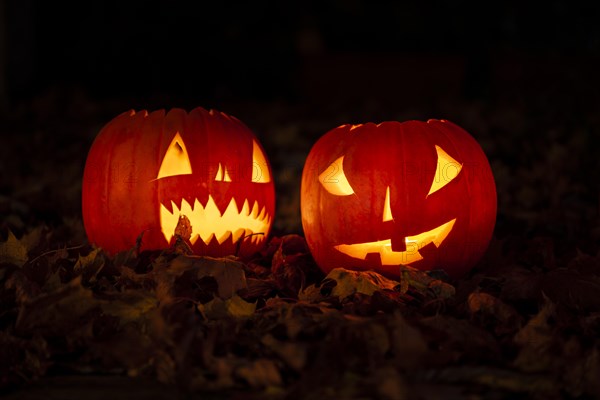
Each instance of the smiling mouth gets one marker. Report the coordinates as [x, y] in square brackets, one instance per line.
[390, 257]
[208, 222]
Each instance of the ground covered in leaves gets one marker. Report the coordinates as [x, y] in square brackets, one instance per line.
[525, 323]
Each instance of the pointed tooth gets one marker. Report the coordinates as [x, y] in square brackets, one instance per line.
[168, 222]
[190, 200]
[178, 205]
[224, 237]
[194, 238]
[208, 239]
[203, 199]
[168, 206]
[239, 199]
[255, 208]
[221, 203]
[238, 234]
[261, 216]
[245, 209]
[231, 210]
[186, 208]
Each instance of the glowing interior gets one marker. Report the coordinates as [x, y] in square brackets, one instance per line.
[334, 180]
[390, 257]
[260, 173]
[447, 169]
[222, 174]
[207, 221]
[176, 160]
[387, 210]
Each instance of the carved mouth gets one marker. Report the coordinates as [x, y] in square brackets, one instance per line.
[390, 257]
[209, 222]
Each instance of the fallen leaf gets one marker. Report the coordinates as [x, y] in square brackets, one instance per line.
[234, 307]
[260, 373]
[12, 251]
[366, 282]
[129, 306]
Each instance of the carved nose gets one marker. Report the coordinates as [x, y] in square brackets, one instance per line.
[387, 210]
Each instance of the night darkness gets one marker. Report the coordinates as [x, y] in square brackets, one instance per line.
[521, 78]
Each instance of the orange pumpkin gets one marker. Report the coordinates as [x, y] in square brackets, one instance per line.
[413, 193]
[145, 170]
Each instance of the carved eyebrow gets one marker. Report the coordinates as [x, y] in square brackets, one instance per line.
[446, 170]
[176, 160]
[334, 180]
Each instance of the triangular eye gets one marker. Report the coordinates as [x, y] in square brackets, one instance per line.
[176, 160]
[260, 167]
[447, 169]
[334, 180]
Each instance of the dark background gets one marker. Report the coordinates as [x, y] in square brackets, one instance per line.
[522, 78]
[191, 53]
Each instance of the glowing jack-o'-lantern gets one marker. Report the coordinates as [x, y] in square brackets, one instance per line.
[146, 170]
[412, 193]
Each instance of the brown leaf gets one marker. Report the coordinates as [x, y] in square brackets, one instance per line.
[90, 265]
[366, 282]
[234, 307]
[458, 339]
[12, 251]
[570, 288]
[61, 312]
[129, 306]
[261, 373]
[228, 273]
[536, 340]
[292, 265]
[408, 344]
[487, 307]
[293, 354]
[130, 349]
[422, 282]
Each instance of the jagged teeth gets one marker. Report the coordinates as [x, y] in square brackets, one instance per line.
[207, 221]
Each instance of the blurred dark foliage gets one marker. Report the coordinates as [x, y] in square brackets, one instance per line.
[521, 78]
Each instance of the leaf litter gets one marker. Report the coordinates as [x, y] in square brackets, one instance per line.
[276, 325]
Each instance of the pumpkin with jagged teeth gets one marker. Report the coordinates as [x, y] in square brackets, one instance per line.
[145, 170]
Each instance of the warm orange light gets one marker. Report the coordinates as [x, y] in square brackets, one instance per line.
[447, 169]
[334, 180]
[176, 160]
[390, 257]
[261, 170]
[222, 174]
[207, 221]
[387, 210]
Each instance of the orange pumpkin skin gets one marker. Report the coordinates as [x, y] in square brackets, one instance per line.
[144, 170]
[391, 212]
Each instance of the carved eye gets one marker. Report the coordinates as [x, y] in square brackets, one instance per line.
[176, 160]
[334, 180]
[260, 167]
[447, 169]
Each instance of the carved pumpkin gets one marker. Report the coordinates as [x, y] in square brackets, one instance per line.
[145, 170]
[413, 193]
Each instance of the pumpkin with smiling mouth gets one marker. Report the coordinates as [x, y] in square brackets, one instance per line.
[378, 196]
[146, 170]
